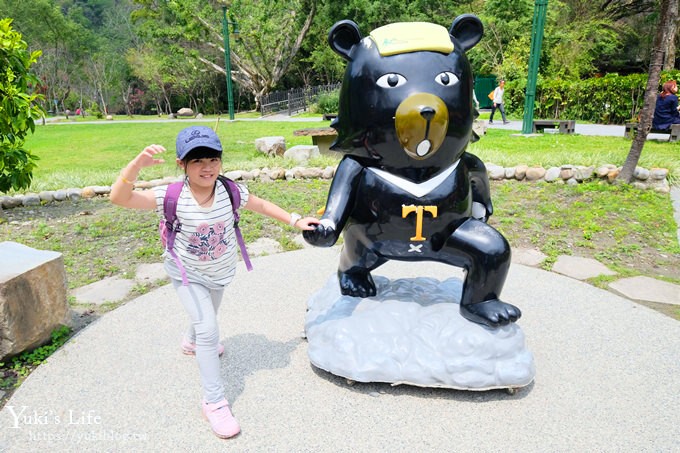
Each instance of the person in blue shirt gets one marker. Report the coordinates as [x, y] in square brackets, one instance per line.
[666, 112]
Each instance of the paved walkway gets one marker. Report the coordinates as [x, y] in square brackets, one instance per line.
[582, 129]
[607, 377]
[639, 289]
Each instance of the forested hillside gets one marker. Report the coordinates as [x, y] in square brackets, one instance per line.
[148, 56]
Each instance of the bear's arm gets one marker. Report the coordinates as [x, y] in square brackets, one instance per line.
[343, 192]
[479, 181]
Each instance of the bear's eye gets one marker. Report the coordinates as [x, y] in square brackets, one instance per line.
[391, 80]
[446, 79]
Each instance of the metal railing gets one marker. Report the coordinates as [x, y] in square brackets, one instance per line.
[294, 100]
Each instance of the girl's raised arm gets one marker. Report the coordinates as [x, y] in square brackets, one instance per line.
[122, 192]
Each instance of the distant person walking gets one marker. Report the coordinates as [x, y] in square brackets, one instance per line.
[666, 111]
[498, 102]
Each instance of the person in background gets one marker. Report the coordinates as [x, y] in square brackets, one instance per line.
[666, 111]
[498, 102]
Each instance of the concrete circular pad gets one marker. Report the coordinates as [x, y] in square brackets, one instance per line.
[607, 375]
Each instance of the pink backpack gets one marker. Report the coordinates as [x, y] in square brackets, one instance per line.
[169, 225]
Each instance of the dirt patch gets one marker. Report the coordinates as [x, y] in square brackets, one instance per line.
[621, 229]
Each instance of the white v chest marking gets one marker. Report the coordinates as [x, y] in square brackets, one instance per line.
[416, 189]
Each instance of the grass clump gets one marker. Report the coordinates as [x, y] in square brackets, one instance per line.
[13, 373]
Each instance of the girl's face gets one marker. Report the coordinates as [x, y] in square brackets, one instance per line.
[202, 172]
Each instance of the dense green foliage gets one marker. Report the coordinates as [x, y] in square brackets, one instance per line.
[611, 99]
[18, 108]
[328, 102]
[145, 56]
[267, 42]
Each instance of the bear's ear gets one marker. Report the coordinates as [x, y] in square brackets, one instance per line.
[343, 36]
[468, 30]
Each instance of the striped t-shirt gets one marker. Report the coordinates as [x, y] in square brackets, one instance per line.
[206, 243]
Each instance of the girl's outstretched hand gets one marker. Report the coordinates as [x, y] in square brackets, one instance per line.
[147, 157]
[307, 223]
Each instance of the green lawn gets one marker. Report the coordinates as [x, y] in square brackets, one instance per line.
[77, 155]
[509, 149]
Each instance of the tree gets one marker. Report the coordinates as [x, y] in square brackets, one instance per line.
[635, 21]
[155, 70]
[18, 109]
[669, 14]
[62, 41]
[621, 9]
[327, 66]
[271, 33]
[669, 58]
[576, 42]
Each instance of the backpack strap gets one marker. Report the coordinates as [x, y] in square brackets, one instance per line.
[235, 197]
[172, 224]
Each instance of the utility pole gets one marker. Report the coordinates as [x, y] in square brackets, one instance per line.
[540, 8]
[227, 58]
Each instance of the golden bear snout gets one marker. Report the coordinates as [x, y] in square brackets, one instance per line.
[421, 122]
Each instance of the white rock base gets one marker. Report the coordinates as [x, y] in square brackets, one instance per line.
[412, 333]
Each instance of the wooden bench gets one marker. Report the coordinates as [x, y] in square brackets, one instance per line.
[329, 116]
[564, 126]
[674, 131]
[323, 137]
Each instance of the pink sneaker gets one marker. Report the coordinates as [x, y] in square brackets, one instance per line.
[221, 420]
[190, 348]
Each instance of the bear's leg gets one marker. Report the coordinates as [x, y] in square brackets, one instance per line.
[485, 254]
[356, 283]
[356, 264]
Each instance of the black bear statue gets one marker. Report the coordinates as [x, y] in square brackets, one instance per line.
[406, 188]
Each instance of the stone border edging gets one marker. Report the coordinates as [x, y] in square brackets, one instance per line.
[655, 179]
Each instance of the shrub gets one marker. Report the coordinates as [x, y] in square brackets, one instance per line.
[611, 99]
[18, 109]
[328, 102]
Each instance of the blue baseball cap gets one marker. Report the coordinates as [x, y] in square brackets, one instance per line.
[196, 137]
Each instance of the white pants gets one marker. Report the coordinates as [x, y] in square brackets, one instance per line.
[201, 304]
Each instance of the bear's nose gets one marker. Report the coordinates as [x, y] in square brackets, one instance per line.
[427, 113]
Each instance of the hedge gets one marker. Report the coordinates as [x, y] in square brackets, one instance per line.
[610, 99]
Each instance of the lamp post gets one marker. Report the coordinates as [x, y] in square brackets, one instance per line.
[227, 58]
[534, 57]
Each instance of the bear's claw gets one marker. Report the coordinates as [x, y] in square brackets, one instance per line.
[357, 284]
[492, 313]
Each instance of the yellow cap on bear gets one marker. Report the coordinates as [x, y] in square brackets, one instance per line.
[403, 37]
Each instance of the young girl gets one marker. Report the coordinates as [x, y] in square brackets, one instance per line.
[206, 247]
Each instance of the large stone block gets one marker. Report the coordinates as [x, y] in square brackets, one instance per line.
[32, 297]
[271, 146]
[302, 153]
